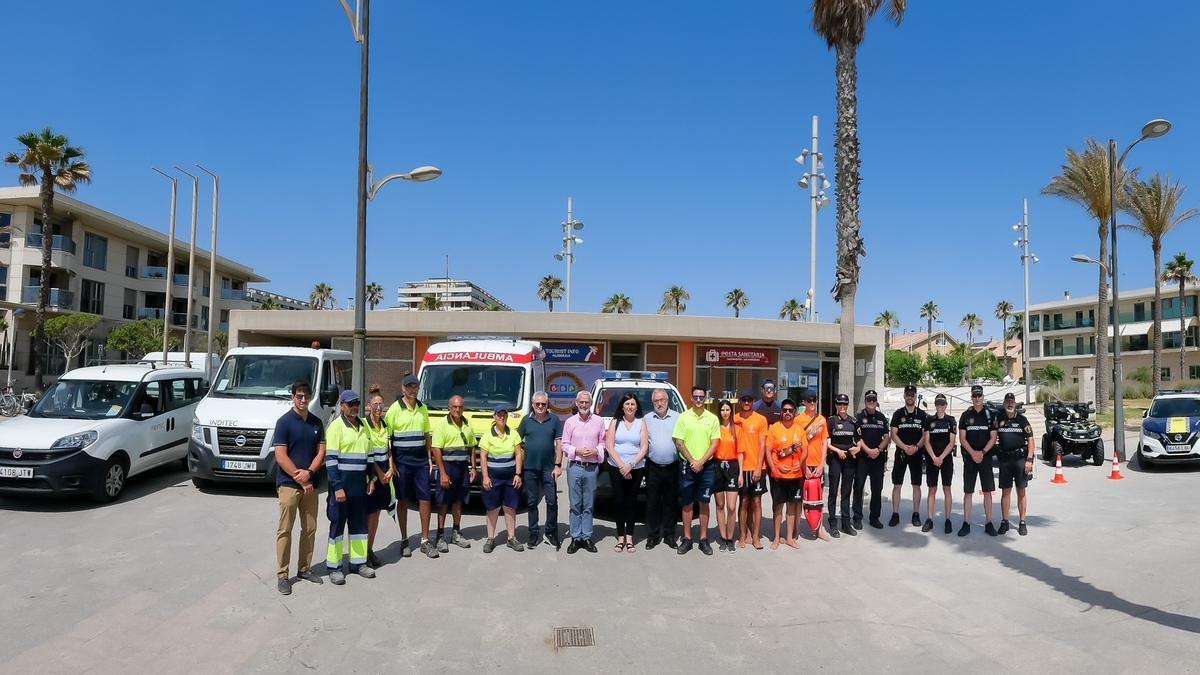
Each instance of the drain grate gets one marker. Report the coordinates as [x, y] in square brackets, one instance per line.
[565, 636]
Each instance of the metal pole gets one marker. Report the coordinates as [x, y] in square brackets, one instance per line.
[812, 250]
[1118, 380]
[360, 272]
[1025, 319]
[569, 235]
[214, 312]
[170, 264]
[187, 317]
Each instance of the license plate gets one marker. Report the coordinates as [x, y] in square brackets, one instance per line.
[239, 466]
[16, 472]
[1179, 448]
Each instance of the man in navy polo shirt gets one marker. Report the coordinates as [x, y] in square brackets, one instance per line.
[299, 443]
[542, 434]
[768, 406]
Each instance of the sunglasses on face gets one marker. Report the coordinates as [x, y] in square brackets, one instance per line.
[789, 411]
[301, 397]
[376, 406]
[769, 388]
[698, 398]
[540, 405]
[976, 395]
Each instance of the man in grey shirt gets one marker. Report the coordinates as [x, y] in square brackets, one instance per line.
[662, 473]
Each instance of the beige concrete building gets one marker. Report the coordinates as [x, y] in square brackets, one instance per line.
[102, 264]
[1063, 333]
[454, 295]
[939, 342]
[721, 354]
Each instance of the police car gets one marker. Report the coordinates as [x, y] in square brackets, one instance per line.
[98, 426]
[1171, 429]
[611, 387]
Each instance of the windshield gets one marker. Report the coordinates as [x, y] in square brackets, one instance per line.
[264, 375]
[1175, 407]
[84, 399]
[611, 396]
[483, 387]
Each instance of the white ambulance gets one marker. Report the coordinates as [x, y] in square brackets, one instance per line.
[486, 373]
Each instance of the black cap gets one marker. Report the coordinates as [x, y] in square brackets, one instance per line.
[940, 399]
[977, 390]
[1010, 397]
[746, 394]
[910, 388]
[409, 379]
[809, 396]
[500, 410]
[871, 395]
[787, 401]
[841, 399]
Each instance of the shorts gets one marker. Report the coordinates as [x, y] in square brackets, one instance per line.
[696, 487]
[751, 487]
[915, 464]
[459, 484]
[502, 493]
[987, 479]
[945, 471]
[727, 475]
[381, 498]
[787, 490]
[412, 482]
[1012, 470]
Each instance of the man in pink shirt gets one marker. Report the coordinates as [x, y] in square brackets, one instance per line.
[583, 447]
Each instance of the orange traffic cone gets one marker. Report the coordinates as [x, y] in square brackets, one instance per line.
[1116, 468]
[1058, 472]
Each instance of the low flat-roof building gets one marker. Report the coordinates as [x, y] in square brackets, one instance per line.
[722, 354]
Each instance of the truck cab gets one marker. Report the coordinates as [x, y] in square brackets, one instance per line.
[486, 373]
[231, 433]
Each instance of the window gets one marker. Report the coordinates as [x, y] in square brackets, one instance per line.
[92, 300]
[3, 282]
[1034, 322]
[1194, 372]
[151, 399]
[129, 307]
[95, 251]
[185, 392]
[5, 233]
[1166, 374]
[132, 255]
[1139, 311]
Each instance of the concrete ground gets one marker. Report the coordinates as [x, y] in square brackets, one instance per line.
[171, 579]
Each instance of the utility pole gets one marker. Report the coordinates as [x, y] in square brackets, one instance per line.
[570, 226]
[214, 297]
[1026, 259]
[817, 201]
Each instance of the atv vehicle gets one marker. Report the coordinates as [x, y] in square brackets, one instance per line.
[1069, 432]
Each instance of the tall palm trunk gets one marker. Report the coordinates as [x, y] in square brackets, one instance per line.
[850, 244]
[1104, 374]
[1004, 343]
[929, 326]
[1156, 360]
[1182, 333]
[39, 327]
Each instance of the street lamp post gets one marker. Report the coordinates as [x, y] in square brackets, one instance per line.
[569, 226]
[214, 298]
[1023, 243]
[817, 201]
[170, 262]
[187, 317]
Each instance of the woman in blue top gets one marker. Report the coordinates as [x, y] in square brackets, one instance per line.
[627, 443]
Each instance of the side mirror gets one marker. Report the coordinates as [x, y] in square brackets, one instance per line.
[145, 412]
[329, 396]
[1145, 413]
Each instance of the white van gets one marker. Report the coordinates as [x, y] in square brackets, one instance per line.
[197, 360]
[486, 373]
[231, 434]
[97, 426]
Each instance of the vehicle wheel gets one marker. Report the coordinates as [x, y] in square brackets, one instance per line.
[1056, 451]
[112, 481]
[1143, 461]
[1098, 454]
[1046, 455]
[201, 483]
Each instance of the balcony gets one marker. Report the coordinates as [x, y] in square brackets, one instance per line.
[234, 294]
[59, 297]
[151, 313]
[1064, 325]
[58, 242]
[179, 319]
[154, 272]
[181, 280]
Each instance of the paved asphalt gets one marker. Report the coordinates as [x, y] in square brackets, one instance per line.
[172, 579]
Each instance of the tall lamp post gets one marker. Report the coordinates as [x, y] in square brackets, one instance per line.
[569, 226]
[817, 201]
[214, 298]
[1152, 129]
[360, 26]
[170, 262]
[187, 316]
[1022, 243]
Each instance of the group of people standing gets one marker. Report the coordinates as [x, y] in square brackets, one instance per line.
[388, 460]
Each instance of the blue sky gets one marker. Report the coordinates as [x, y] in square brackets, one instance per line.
[673, 124]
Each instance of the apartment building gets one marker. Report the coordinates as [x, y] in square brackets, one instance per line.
[1062, 332]
[261, 299]
[452, 295]
[102, 264]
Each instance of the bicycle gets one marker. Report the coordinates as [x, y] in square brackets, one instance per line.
[10, 405]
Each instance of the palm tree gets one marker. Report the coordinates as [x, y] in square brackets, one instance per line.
[792, 310]
[492, 307]
[269, 304]
[843, 24]
[1016, 329]
[674, 301]
[889, 322]
[1154, 205]
[430, 303]
[1179, 271]
[1084, 180]
[321, 295]
[49, 160]
[1004, 312]
[617, 303]
[374, 295]
[737, 299]
[930, 312]
[971, 323]
[550, 288]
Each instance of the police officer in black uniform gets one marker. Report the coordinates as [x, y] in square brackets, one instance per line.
[977, 437]
[840, 449]
[870, 459]
[940, 439]
[908, 432]
[1016, 460]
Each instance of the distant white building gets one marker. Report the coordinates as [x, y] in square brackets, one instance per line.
[456, 295]
[258, 297]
